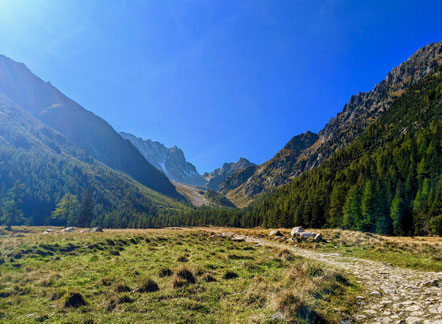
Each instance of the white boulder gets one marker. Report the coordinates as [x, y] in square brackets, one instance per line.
[296, 230]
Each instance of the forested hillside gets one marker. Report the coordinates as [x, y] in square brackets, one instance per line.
[388, 181]
[83, 128]
[40, 169]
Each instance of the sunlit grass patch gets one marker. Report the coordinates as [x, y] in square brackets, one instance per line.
[222, 280]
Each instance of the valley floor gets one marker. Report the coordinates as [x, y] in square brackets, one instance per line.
[216, 275]
[393, 294]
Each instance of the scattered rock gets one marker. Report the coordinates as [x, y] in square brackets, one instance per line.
[68, 229]
[306, 235]
[96, 229]
[432, 283]
[296, 230]
[318, 237]
[238, 238]
[375, 293]
[278, 316]
[275, 233]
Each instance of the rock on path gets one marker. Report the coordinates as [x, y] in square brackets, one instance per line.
[395, 295]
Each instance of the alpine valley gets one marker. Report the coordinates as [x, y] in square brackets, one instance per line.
[376, 166]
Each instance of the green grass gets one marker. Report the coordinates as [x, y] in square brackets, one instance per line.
[200, 277]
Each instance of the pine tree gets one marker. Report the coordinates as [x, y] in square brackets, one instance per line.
[397, 211]
[352, 209]
[367, 220]
[86, 209]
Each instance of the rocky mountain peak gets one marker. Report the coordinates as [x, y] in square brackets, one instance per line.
[170, 161]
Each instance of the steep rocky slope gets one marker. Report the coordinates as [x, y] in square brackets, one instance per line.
[215, 178]
[360, 112]
[170, 161]
[83, 128]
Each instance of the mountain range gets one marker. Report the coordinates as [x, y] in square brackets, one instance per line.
[379, 156]
[51, 146]
[307, 151]
[81, 127]
[170, 161]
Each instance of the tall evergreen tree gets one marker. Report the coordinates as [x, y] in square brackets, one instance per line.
[367, 220]
[86, 210]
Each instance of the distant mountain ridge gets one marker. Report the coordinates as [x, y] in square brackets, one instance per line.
[82, 127]
[170, 161]
[216, 177]
[359, 113]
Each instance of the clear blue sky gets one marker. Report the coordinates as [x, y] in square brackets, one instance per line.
[220, 79]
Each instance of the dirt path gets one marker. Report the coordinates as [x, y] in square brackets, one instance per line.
[396, 295]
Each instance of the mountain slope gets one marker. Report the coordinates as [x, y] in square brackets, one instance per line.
[170, 161]
[46, 165]
[216, 177]
[360, 112]
[387, 181]
[80, 126]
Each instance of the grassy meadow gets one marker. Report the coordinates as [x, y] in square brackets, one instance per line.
[420, 252]
[171, 275]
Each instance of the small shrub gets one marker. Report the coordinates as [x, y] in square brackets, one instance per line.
[74, 299]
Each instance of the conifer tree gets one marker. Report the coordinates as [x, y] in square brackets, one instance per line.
[86, 209]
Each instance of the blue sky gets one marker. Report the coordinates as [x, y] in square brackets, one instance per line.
[220, 79]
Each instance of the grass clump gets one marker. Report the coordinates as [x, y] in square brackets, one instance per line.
[74, 299]
[230, 275]
[165, 272]
[148, 286]
[183, 277]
